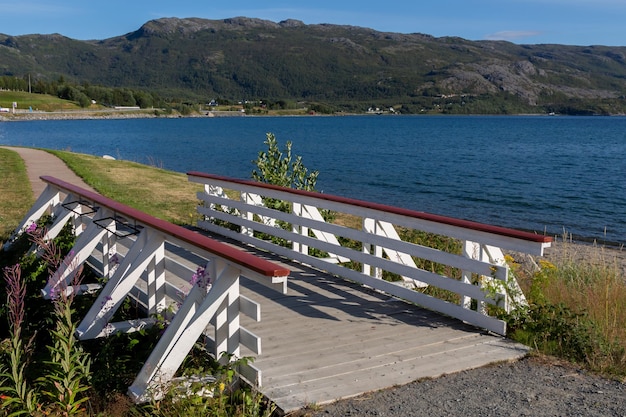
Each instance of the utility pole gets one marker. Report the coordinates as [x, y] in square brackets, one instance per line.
[29, 91]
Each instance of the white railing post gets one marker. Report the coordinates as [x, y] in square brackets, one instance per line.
[299, 210]
[226, 320]
[109, 252]
[185, 329]
[471, 251]
[514, 296]
[247, 215]
[155, 278]
[46, 202]
[366, 248]
[82, 249]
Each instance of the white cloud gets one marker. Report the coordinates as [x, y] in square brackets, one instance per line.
[512, 35]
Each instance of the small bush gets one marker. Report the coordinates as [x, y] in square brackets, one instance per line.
[577, 309]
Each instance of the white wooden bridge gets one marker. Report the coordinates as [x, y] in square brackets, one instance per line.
[326, 332]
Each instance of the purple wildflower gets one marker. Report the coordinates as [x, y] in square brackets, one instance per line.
[106, 301]
[54, 292]
[201, 277]
[32, 228]
[114, 260]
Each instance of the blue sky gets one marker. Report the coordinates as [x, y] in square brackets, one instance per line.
[572, 22]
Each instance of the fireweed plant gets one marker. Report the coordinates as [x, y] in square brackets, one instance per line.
[15, 393]
[32, 382]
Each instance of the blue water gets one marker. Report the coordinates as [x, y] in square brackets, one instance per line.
[546, 174]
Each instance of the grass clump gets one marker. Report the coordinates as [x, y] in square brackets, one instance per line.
[577, 308]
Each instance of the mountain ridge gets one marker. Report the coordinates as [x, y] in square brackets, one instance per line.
[346, 66]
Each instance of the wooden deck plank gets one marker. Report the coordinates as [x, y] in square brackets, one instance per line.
[329, 339]
[385, 375]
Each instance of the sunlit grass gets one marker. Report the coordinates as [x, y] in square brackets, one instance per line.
[594, 284]
[42, 102]
[15, 191]
[164, 194]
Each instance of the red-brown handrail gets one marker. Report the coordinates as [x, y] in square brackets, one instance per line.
[229, 253]
[467, 224]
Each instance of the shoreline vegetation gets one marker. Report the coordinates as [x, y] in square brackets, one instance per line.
[110, 114]
[34, 107]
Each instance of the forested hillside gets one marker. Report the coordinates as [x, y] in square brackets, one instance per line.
[340, 67]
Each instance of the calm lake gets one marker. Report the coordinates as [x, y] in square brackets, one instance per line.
[546, 174]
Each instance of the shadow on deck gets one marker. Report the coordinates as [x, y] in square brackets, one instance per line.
[329, 339]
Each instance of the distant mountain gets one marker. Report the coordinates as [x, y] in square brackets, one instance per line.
[343, 66]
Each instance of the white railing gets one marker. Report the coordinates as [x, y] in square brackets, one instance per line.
[154, 262]
[484, 275]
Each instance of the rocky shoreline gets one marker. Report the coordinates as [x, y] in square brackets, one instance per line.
[110, 114]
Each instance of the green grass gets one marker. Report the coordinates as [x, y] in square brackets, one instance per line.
[163, 194]
[16, 196]
[577, 308]
[42, 102]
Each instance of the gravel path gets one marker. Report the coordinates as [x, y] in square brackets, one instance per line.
[530, 387]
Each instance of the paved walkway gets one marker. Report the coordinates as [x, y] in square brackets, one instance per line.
[40, 163]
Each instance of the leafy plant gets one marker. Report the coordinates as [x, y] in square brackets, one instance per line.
[210, 389]
[64, 381]
[18, 396]
[278, 167]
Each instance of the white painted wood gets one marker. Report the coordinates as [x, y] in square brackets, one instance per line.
[386, 229]
[120, 285]
[365, 258]
[83, 247]
[250, 340]
[484, 275]
[358, 235]
[60, 217]
[47, 200]
[311, 212]
[180, 336]
[250, 308]
[460, 233]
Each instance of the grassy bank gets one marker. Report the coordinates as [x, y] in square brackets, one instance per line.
[164, 194]
[16, 196]
[42, 102]
[577, 307]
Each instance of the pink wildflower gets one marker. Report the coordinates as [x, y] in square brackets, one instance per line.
[32, 228]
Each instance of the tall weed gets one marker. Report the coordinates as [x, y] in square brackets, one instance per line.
[577, 307]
